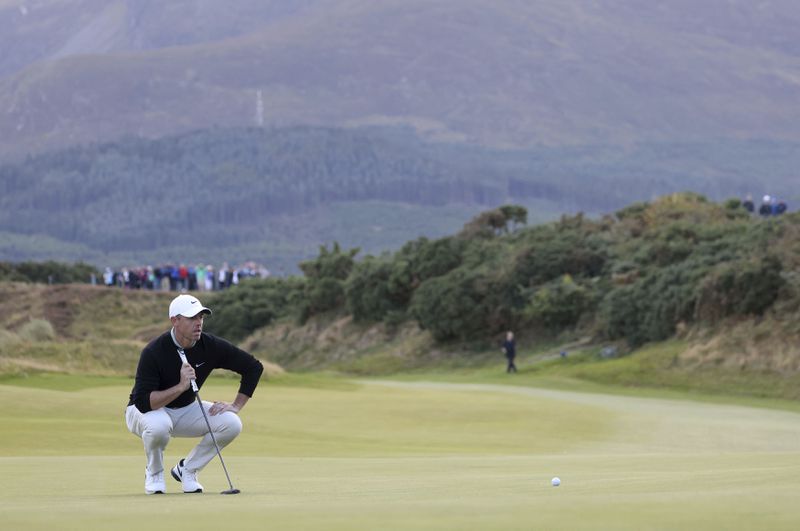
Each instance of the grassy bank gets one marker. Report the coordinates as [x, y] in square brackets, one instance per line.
[86, 330]
[659, 366]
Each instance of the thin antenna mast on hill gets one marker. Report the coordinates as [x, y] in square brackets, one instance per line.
[259, 109]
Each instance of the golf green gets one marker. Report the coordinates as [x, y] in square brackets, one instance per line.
[390, 455]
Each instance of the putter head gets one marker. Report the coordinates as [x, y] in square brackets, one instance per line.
[231, 491]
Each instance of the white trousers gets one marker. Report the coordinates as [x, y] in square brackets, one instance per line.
[157, 427]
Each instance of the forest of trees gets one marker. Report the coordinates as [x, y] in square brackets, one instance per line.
[132, 194]
[140, 195]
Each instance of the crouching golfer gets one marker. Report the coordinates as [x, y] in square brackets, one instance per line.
[162, 403]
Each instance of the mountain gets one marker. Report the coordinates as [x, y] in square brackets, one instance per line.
[509, 73]
[277, 126]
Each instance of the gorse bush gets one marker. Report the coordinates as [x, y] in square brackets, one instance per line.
[432, 258]
[739, 288]
[495, 222]
[635, 276]
[49, 272]
[378, 287]
[325, 281]
[558, 304]
[253, 304]
[650, 308]
[453, 306]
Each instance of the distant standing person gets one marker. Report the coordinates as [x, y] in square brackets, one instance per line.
[510, 350]
[748, 204]
[223, 274]
[162, 403]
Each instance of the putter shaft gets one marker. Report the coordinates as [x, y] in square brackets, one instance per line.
[216, 446]
[232, 490]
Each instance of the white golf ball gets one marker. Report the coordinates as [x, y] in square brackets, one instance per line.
[555, 481]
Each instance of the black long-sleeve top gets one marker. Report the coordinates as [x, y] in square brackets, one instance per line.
[159, 368]
[509, 346]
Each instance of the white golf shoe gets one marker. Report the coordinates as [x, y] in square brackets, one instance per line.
[154, 483]
[188, 478]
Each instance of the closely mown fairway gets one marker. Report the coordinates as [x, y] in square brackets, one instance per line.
[329, 454]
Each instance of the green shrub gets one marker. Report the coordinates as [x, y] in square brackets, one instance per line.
[632, 211]
[622, 312]
[650, 308]
[377, 287]
[676, 260]
[325, 280]
[740, 288]
[251, 305]
[432, 258]
[452, 306]
[571, 246]
[335, 263]
[501, 220]
[49, 272]
[323, 295]
[558, 304]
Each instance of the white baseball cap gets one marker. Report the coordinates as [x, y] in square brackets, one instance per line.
[187, 306]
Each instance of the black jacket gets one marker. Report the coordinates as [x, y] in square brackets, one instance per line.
[159, 368]
[510, 348]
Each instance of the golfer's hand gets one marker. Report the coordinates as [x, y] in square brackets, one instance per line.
[222, 407]
[187, 375]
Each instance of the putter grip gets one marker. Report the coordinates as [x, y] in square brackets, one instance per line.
[183, 359]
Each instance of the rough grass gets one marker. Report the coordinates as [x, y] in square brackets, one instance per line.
[102, 331]
[82, 311]
[663, 366]
[37, 330]
[8, 340]
[76, 329]
[769, 345]
[654, 371]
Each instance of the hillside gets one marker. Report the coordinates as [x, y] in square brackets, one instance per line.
[275, 195]
[76, 328]
[677, 293]
[505, 73]
[721, 281]
[295, 124]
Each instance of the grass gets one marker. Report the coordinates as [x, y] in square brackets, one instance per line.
[321, 452]
[646, 440]
[654, 371]
[61, 382]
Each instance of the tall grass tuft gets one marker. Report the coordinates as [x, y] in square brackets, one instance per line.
[8, 340]
[37, 330]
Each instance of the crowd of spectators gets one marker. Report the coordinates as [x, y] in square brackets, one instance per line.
[770, 206]
[182, 277]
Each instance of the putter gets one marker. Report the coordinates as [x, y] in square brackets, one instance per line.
[232, 490]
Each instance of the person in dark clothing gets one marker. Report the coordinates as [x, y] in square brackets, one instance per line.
[766, 206]
[748, 204]
[509, 349]
[162, 404]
